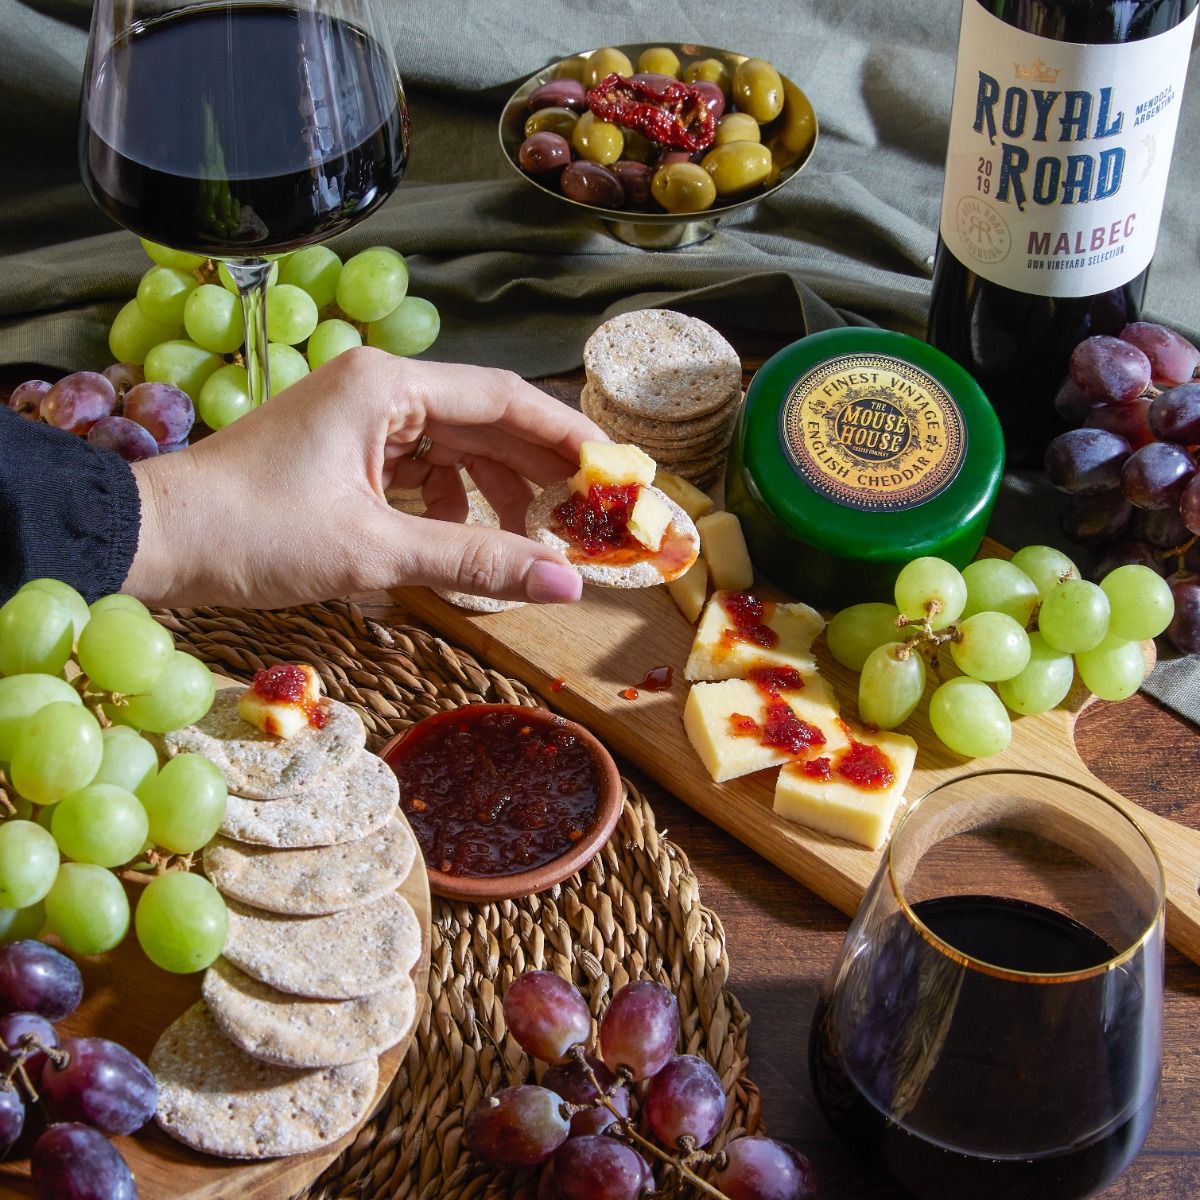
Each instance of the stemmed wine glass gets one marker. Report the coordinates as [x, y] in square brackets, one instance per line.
[241, 129]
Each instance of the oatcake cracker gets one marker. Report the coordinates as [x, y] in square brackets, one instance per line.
[343, 804]
[323, 879]
[659, 364]
[596, 405]
[351, 953]
[644, 573]
[261, 767]
[479, 512]
[295, 1032]
[214, 1098]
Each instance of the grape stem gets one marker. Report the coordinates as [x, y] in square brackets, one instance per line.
[29, 1043]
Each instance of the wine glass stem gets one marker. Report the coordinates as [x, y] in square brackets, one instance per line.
[250, 275]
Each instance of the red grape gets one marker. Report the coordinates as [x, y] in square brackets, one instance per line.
[1109, 369]
[1130, 420]
[1189, 508]
[1175, 415]
[12, 1116]
[76, 402]
[1155, 475]
[518, 1127]
[164, 410]
[26, 398]
[685, 1098]
[127, 438]
[73, 1162]
[1184, 629]
[1162, 527]
[571, 1082]
[1072, 403]
[37, 978]
[758, 1168]
[1096, 520]
[1173, 359]
[17, 1026]
[101, 1084]
[599, 1168]
[124, 376]
[1083, 461]
[639, 1029]
[1119, 554]
[547, 1015]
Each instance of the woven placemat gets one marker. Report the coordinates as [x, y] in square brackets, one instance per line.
[634, 913]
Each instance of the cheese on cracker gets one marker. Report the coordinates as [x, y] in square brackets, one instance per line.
[612, 464]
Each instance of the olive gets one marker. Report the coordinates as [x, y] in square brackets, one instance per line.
[559, 93]
[554, 120]
[590, 183]
[597, 141]
[635, 179]
[714, 98]
[639, 147]
[662, 60]
[675, 156]
[571, 68]
[543, 152]
[603, 63]
[708, 70]
[799, 125]
[758, 90]
[732, 127]
[737, 166]
[683, 187]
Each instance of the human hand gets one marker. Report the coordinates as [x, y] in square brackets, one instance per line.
[287, 504]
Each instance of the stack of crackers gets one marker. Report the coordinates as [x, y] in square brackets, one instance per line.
[281, 1055]
[668, 383]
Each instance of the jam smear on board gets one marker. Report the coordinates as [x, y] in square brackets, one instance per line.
[288, 684]
[657, 679]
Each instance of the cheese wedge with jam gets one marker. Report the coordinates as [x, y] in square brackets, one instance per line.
[821, 794]
[718, 655]
[282, 718]
[612, 464]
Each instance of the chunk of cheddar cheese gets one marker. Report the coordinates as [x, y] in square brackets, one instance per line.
[724, 548]
[717, 655]
[689, 589]
[649, 519]
[611, 464]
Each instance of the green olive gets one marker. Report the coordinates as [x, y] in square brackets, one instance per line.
[710, 70]
[758, 90]
[659, 60]
[571, 68]
[683, 187]
[597, 141]
[737, 166]
[603, 63]
[799, 125]
[551, 120]
[639, 148]
[732, 127]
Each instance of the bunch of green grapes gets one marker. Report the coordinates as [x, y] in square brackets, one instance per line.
[83, 794]
[184, 327]
[1025, 625]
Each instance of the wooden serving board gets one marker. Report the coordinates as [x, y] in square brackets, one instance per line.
[609, 640]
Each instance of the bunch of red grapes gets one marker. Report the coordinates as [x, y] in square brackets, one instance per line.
[62, 1098]
[580, 1122]
[1130, 467]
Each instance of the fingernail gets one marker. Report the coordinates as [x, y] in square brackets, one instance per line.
[552, 583]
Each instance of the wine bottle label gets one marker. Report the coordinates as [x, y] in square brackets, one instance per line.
[1059, 154]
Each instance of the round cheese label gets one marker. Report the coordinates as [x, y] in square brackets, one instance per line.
[872, 432]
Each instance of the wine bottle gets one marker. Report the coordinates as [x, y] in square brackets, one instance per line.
[1061, 132]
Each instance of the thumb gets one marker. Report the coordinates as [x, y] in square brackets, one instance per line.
[479, 560]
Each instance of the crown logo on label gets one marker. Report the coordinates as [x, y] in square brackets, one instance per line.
[1036, 71]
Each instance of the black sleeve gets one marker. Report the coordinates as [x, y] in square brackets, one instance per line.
[67, 510]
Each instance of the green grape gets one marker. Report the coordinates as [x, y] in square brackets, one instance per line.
[21, 696]
[411, 327]
[990, 646]
[330, 339]
[28, 863]
[225, 396]
[969, 718]
[995, 585]
[101, 823]
[229, 285]
[1046, 679]
[22, 809]
[372, 284]
[124, 652]
[928, 583]
[183, 694]
[181, 922]
[129, 760]
[891, 685]
[87, 908]
[58, 751]
[213, 319]
[316, 270]
[1114, 669]
[121, 601]
[855, 631]
[185, 802]
[291, 314]
[1140, 602]
[182, 364]
[133, 335]
[287, 366]
[1074, 616]
[162, 294]
[36, 634]
[64, 593]
[17, 924]
[179, 260]
[1046, 566]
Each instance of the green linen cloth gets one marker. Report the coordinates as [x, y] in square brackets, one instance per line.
[519, 278]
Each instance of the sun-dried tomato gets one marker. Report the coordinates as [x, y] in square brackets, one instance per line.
[671, 114]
